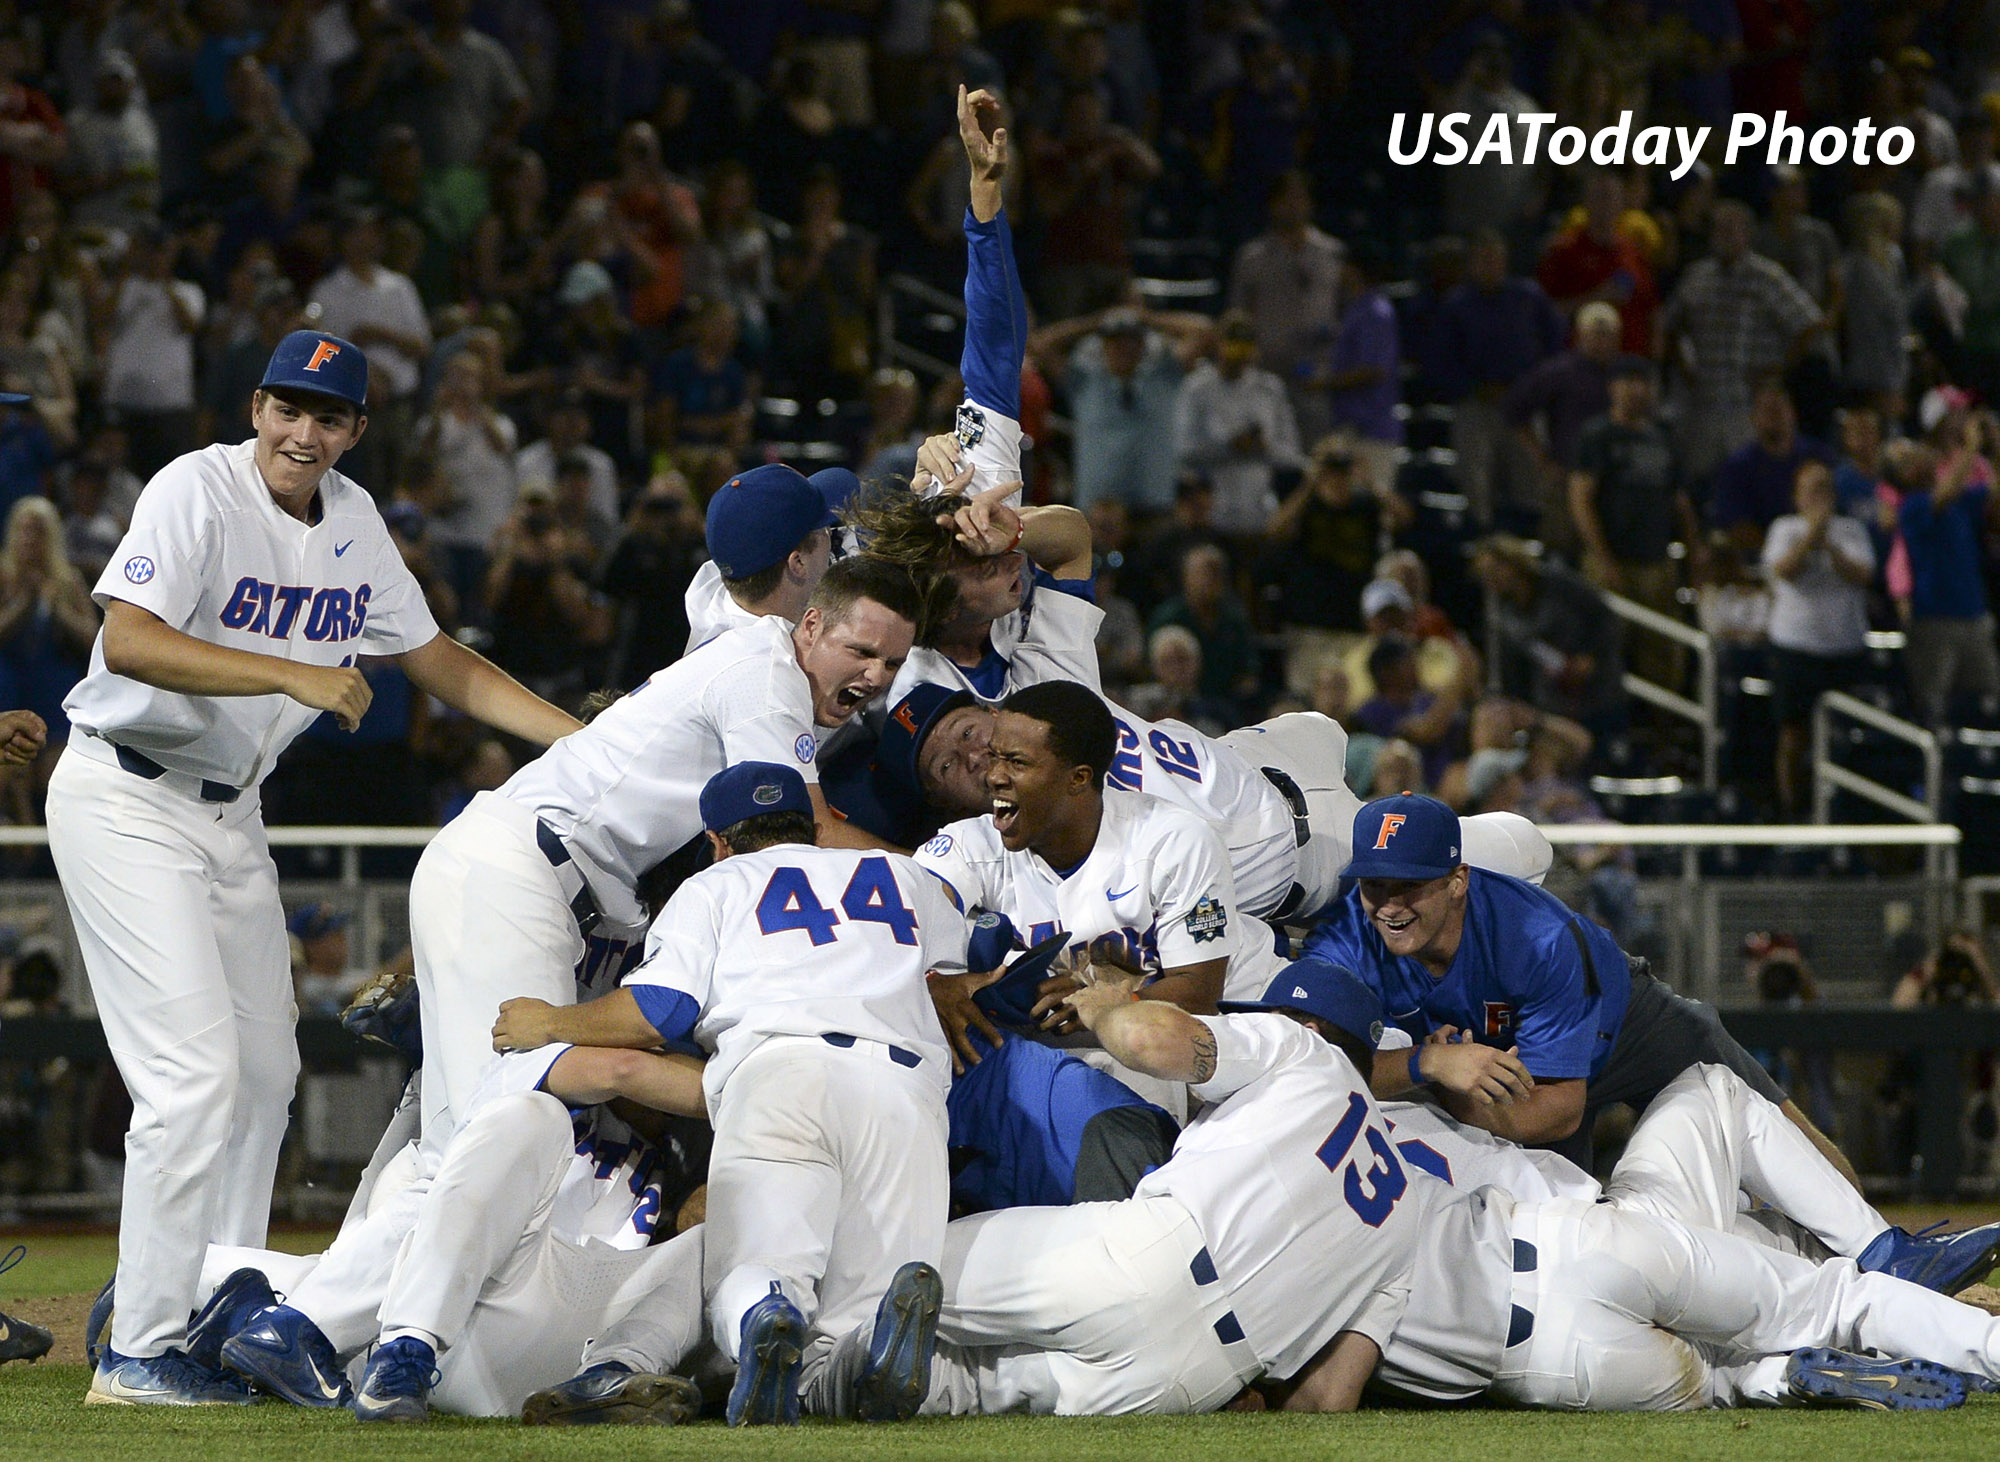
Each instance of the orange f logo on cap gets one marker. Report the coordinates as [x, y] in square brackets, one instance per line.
[323, 352]
[905, 719]
[1392, 823]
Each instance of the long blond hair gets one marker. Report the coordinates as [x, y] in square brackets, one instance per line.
[62, 573]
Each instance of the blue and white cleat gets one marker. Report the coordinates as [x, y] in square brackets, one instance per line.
[170, 1379]
[235, 1300]
[398, 1384]
[1822, 1377]
[768, 1358]
[613, 1394]
[898, 1375]
[97, 1329]
[284, 1353]
[1946, 1263]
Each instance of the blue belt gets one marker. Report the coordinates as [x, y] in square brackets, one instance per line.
[583, 906]
[896, 1053]
[1229, 1330]
[1521, 1323]
[141, 765]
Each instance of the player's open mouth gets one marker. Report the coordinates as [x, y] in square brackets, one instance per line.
[1396, 926]
[304, 459]
[850, 698]
[1006, 812]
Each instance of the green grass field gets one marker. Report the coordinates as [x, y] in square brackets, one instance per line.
[42, 1417]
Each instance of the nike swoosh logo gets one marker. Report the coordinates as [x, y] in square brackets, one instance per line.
[343, 548]
[1114, 897]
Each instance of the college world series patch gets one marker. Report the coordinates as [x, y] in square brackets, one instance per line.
[970, 428]
[1207, 920]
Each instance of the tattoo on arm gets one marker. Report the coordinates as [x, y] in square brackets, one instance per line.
[1204, 1054]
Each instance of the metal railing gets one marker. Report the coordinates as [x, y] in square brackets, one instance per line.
[890, 349]
[1705, 709]
[1829, 776]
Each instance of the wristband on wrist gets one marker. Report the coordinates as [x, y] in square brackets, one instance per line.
[1020, 532]
[1416, 1066]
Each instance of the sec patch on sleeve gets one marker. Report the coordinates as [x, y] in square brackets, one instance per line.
[139, 569]
[805, 748]
[1207, 920]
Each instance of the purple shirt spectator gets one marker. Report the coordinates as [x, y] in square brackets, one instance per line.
[1565, 391]
[1493, 337]
[1367, 337]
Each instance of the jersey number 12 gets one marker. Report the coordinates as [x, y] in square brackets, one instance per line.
[871, 897]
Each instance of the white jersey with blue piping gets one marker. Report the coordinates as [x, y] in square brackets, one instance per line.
[1155, 892]
[988, 424]
[211, 554]
[798, 940]
[624, 792]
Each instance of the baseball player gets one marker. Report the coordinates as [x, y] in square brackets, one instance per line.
[234, 608]
[1705, 1142]
[770, 538]
[1560, 1022]
[542, 1226]
[802, 970]
[1276, 792]
[503, 898]
[1280, 1233]
[1135, 882]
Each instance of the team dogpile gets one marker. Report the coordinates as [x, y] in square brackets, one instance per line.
[1243, 1094]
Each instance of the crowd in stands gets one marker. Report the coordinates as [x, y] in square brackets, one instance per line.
[1344, 431]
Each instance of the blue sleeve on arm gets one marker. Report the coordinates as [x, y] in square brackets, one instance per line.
[1556, 1024]
[671, 1012]
[996, 318]
[1085, 589]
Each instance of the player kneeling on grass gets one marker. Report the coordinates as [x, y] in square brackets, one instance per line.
[802, 970]
[542, 1225]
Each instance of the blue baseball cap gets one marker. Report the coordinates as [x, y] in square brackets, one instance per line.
[1404, 837]
[312, 360]
[1332, 992]
[752, 789]
[310, 921]
[910, 721]
[836, 485]
[758, 517]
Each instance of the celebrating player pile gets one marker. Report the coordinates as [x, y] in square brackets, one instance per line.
[1314, 1176]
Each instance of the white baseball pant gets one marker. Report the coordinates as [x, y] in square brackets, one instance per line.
[828, 1174]
[175, 905]
[1090, 1310]
[489, 920]
[1311, 749]
[507, 1302]
[1637, 1313]
[1708, 1138]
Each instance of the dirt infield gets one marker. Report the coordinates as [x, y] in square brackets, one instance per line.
[64, 1316]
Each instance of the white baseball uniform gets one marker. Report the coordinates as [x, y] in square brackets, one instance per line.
[802, 971]
[1156, 891]
[539, 1230]
[1052, 636]
[1283, 1218]
[155, 827]
[1661, 1294]
[500, 897]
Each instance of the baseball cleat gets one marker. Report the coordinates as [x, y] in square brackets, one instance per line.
[766, 1392]
[21, 1340]
[170, 1379]
[97, 1329]
[235, 1300]
[398, 1384]
[18, 1339]
[1946, 1263]
[898, 1375]
[612, 1394]
[1822, 1377]
[286, 1354]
